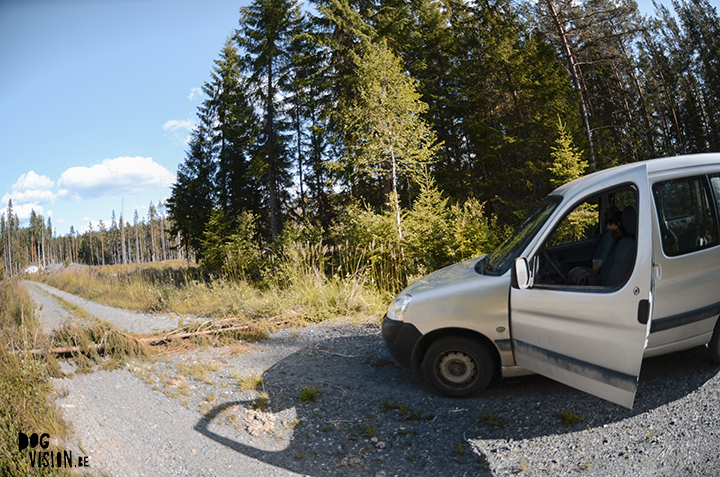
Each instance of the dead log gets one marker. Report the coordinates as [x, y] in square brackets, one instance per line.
[150, 340]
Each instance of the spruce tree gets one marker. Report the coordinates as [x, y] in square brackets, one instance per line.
[567, 163]
[264, 37]
[192, 197]
[231, 123]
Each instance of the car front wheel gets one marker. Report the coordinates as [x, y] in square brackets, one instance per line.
[458, 366]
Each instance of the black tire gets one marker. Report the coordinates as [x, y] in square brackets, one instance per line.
[458, 366]
[714, 344]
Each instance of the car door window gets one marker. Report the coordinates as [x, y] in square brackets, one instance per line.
[686, 215]
[581, 250]
[715, 183]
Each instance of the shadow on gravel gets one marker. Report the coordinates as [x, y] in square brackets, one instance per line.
[371, 415]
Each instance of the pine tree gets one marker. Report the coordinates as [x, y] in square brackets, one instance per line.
[590, 36]
[9, 231]
[152, 218]
[103, 231]
[114, 240]
[701, 26]
[310, 108]
[231, 124]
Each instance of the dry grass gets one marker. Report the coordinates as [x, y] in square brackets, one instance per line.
[88, 344]
[252, 382]
[297, 289]
[26, 404]
[198, 370]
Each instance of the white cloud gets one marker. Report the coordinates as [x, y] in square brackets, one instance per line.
[178, 124]
[195, 93]
[123, 175]
[23, 210]
[179, 130]
[33, 181]
[29, 193]
[30, 196]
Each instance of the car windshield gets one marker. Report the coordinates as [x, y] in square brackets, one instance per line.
[502, 258]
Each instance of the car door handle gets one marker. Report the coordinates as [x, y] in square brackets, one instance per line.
[643, 311]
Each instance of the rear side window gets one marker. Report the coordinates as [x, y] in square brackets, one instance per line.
[686, 213]
[715, 183]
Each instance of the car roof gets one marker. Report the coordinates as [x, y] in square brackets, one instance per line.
[654, 167]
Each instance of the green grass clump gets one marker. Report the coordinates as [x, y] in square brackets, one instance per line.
[493, 420]
[261, 402]
[407, 413]
[369, 430]
[570, 418]
[308, 394]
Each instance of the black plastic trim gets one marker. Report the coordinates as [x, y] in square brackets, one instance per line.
[401, 339]
[643, 311]
[686, 318]
[608, 376]
[503, 345]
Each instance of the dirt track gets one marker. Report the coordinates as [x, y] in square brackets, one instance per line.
[372, 417]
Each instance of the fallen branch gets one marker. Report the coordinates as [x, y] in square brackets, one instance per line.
[154, 340]
[66, 350]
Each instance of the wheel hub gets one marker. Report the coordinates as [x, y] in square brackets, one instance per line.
[457, 368]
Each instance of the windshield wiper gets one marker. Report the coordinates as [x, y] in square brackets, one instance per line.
[480, 265]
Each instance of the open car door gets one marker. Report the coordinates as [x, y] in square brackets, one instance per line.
[589, 337]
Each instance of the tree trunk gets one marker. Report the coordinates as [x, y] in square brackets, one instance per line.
[396, 198]
[575, 75]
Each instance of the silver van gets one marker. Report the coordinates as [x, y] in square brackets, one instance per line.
[610, 268]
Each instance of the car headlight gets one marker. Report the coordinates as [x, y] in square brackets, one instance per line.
[398, 307]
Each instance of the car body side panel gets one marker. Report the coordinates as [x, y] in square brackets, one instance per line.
[459, 297]
[688, 283]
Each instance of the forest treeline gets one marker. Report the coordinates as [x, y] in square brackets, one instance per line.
[403, 135]
[119, 242]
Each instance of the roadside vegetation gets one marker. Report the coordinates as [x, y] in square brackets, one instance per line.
[26, 403]
[187, 289]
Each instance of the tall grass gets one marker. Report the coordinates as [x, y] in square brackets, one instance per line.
[25, 403]
[297, 285]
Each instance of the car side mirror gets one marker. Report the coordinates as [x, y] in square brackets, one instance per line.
[521, 277]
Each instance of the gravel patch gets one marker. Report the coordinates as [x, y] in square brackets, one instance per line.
[189, 414]
[52, 314]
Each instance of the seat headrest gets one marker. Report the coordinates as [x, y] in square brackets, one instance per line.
[611, 213]
[629, 219]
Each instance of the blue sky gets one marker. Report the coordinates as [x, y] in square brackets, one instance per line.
[97, 98]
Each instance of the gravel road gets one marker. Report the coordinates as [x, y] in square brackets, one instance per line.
[188, 414]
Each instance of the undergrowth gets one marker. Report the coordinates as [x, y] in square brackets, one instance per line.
[26, 403]
[298, 290]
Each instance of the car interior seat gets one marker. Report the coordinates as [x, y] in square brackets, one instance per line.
[622, 257]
